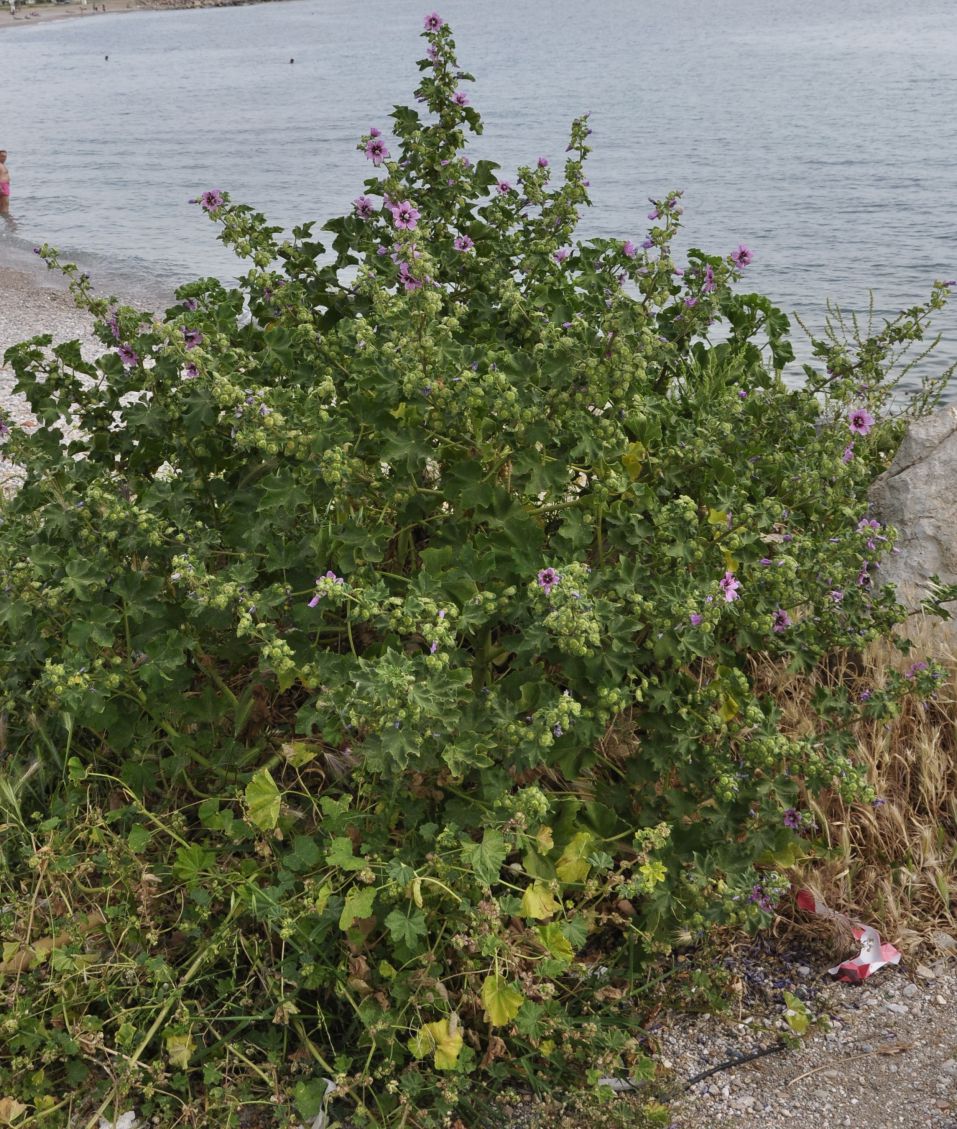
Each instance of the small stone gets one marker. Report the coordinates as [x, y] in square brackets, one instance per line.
[925, 972]
[911, 990]
[897, 1009]
[743, 1101]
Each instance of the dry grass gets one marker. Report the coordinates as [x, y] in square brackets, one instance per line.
[894, 863]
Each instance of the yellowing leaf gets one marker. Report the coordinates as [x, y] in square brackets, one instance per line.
[263, 800]
[502, 1001]
[718, 517]
[572, 866]
[556, 942]
[633, 459]
[441, 1039]
[728, 709]
[539, 902]
[179, 1049]
[543, 836]
[10, 1110]
[729, 562]
[358, 904]
[300, 753]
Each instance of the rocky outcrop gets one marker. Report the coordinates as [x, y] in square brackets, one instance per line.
[917, 494]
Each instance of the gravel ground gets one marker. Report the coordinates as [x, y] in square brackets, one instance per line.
[31, 303]
[887, 1057]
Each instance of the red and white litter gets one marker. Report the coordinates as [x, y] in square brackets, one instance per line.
[874, 953]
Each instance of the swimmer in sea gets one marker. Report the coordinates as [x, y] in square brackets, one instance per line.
[4, 183]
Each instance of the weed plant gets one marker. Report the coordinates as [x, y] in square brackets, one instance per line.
[377, 644]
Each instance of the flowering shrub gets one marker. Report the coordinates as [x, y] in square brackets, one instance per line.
[402, 630]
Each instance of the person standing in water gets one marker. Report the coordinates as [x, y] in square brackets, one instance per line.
[4, 182]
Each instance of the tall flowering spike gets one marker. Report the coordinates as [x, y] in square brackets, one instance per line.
[860, 421]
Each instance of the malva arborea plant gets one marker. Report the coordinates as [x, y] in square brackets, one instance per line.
[430, 592]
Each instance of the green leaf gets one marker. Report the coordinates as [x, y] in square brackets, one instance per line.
[358, 904]
[340, 855]
[263, 800]
[502, 1001]
[406, 929]
[486, 858]
[138, 837]
[556, 942]
[193, 861]
[796, 1016]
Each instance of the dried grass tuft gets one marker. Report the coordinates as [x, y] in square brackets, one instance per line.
[893, 863]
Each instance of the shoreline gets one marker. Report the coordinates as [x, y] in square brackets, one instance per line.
[32, 15]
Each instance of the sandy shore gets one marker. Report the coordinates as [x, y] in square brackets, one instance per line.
[30, 305]
[42, 13]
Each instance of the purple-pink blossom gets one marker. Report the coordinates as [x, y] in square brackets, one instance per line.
[191, 337]
[629, 249]
[742, 257]
[127, 356]
[729, 585]
[463, 243]
[709, 285]
[561, 254]
[792, 819]
[405, 215]
[504, 187]
[330, 576]
[376, 151]
[364, 207]
[433, 21]
[543, 162]
[212, 200]
[547, 579]
[781, 621]
[848, 453]
[460, 98]
[696, 619]
[860, 421]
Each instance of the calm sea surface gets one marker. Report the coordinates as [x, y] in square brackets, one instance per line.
[821, 134]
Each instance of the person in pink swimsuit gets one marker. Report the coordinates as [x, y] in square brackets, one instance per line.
[4, 182]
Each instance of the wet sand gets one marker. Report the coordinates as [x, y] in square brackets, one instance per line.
[42, 13]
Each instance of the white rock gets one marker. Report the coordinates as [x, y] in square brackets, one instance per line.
[916, 495]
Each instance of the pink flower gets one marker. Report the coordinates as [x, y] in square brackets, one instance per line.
[729, 586]
[561, 254]
[376, 151]
[848, 453]
[404, 215]
[628, 248]
[433, 22]
[781, 621]
[742, 257]
[460, 98]
[860, 421]
[547, 579]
